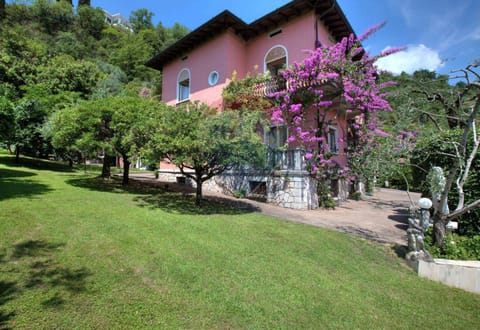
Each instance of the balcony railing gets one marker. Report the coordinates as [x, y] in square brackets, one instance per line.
[290, 159]
[268, 87]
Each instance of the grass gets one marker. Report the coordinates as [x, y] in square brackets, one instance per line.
[77, 252]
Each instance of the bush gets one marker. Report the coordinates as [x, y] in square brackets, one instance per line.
[240, 193]
[431, 151]
[455, 247]
[356, 196]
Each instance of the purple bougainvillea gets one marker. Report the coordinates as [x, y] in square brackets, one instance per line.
[342, 72]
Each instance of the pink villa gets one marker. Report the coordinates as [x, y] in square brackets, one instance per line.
[200, 65]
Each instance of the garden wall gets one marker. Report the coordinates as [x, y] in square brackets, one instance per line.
[289, 189]
[292, 189]
[460, 274]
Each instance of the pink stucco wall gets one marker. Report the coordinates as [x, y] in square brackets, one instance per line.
[227, 53]
[223, 54]
[297, 36]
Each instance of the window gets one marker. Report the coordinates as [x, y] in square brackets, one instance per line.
[277, 136]
[183, 85]
[332, 139]
[213, 78]
[275, 33]
[275, 60]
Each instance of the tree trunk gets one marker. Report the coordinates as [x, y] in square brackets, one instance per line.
[2, 9]
[70, 162]
[126, 169]
[198, 195]
[439, 228]
[106, 174]
[17, 154]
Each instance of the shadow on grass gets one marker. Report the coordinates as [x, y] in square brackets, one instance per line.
[35, 163]
[400, 250]
[8, 291]
[169, 197]
[15, 185]
[34, 266]
[34, 248]
[185, 204]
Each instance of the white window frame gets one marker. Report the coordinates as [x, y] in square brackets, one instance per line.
[268, 52]
[180, 86]
[269, 134]
[213, 78]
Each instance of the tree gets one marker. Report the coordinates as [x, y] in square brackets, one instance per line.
[177, 31]
[141, 19]
[113, 124]
[129, 125]
[83, 3]
[63, 73]
[64, 130]
[29, 118]
[461, 112]
[2, 9]
[53, 17]
[112, 83]
[7, 119]
[20, 58]
[84, 128]
[91, 21]
[70, 2]
[131, 57]
[204, 143]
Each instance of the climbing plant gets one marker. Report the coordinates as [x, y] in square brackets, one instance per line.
[337, 81]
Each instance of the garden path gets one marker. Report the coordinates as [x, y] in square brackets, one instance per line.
[382, 217]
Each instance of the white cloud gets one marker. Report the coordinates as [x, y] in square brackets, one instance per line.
[414, 58]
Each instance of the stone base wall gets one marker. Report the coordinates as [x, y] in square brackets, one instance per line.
[292, 189]
[175, 176]
[289, 189]
[231, 182]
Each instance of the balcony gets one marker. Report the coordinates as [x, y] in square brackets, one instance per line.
[268, 87]
[277, 84]
[286, 160]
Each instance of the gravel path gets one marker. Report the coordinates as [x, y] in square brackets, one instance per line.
[382, 217]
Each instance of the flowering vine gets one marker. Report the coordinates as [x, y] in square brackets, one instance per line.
[337, 82]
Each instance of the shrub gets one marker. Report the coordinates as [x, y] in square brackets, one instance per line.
[240, 193]
[431, 151]
[455, 247]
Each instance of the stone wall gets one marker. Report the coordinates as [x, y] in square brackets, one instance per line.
[292, 189]
[174, 176]
[289, 189]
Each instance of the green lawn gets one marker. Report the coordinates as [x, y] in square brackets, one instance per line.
[77, 252]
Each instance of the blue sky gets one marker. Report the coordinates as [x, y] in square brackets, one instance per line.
[440, 35]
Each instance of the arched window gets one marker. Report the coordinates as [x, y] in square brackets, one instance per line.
[183, 85]
[275, 60]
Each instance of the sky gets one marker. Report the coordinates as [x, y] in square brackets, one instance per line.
[440, 35]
